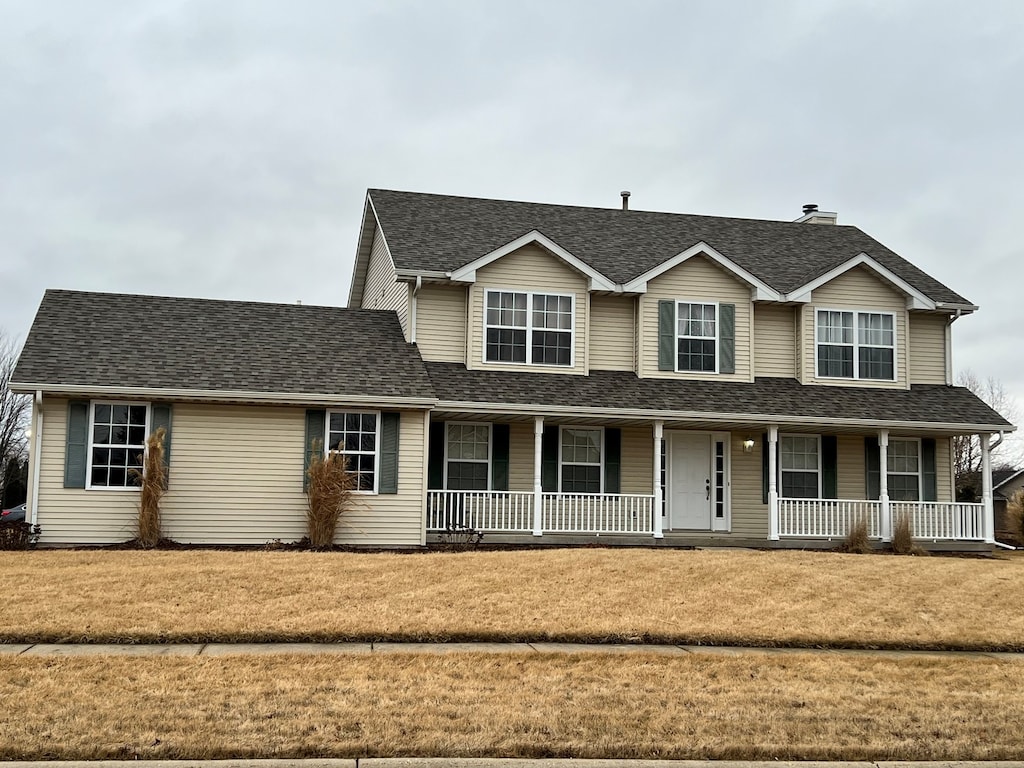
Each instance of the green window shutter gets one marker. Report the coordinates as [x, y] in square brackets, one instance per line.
[666, 335]
[316, 423]
[612, 460]
[161, 417]
[77, 444]
[727, 338]
[829, 467]
[549, 460]
[499, 456]
[435, 456]
[929, 477]
[764, 468]
[387, 481]
[872, 473]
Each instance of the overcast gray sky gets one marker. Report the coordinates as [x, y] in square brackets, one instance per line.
[222, 149]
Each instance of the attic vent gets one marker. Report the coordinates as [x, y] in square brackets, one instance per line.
[625, 199]
[810, 208]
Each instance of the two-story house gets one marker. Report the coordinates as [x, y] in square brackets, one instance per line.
[534, 372]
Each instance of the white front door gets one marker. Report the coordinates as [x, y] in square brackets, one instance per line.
[689, 481]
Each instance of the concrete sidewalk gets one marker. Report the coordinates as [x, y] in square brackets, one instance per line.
[362, 649]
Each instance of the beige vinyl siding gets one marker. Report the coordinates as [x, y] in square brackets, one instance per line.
[699, 280]
[529, 269]
[943, 473]
[520, 456]
[441, 323]
[927, 348]
[235, 478]
[637, 463]
[749, 512]
[382, 290]
[612, 337]
[857, 289]
[774, 340]
[851, 482]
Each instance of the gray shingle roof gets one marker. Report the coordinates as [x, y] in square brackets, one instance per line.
[441, 232]
[116, 340]
[924, 403]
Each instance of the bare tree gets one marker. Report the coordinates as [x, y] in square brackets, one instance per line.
[14, 416]
[967, 448]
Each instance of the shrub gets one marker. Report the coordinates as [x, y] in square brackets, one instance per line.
[153, 483]
[903, 539]
[1015, 513]
[856, 540]
[19, 535]
[459, 538]
[330, 494]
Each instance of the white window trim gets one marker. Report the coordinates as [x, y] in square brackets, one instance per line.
[376, 445]
[92, 423]
[920, 465]
[529, 328]
[600, 464]
[677, 336]
[490, 448]
[819, 470]
[856, 344]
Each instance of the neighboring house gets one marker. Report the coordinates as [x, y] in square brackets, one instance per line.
[537, 372]
[1005, 483]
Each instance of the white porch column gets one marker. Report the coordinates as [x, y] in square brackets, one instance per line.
[986, 491]
[538, 488]
[883, 484]
[659, 436]
[773, 484]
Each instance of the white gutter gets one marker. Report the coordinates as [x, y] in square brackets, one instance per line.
[36, 453]
[216, 395]
[997, 443]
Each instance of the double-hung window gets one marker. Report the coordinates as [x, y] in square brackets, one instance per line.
[581, 451]
[903, 466]
[356, 435]
[697, 337]
[467, 456]
[856, 345]
[526, 327]
[117, 443]
[800, 466]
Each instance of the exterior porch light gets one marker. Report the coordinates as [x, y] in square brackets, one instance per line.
[748, 445]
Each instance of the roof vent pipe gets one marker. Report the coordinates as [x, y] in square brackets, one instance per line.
[625, 199]
[810, 208]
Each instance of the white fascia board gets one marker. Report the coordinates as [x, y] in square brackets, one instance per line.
[703, 416]
[410, 275]
[964, 308]
[362, 260]
[598, 282]
[760, 290]
[215, 395]
[915, 299]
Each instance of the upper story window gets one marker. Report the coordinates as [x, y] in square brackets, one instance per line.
[117, 443]
[467, 456]
[697, 337]
[856, 345]
[356, 435]
[903, 466]
[581, 460]
[800, 466]
[526, 327]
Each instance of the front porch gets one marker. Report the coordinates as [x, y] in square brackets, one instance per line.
[694, 486]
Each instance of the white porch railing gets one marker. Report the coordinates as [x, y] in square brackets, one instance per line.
[598, 513]
[508, 511]
[939, 520]
[828, 518]
[512, 512]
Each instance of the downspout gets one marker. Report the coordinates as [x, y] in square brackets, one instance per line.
[991, 448]
[412, 321]
[35, 453]
[949, 346]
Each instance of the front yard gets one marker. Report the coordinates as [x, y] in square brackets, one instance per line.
[627, 595]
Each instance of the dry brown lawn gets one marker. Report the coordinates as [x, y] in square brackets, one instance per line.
[809, 706]
[624, 595]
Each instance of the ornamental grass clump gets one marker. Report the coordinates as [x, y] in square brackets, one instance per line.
[330, 493]
[152, 484]
[856, 540]
[903, 539]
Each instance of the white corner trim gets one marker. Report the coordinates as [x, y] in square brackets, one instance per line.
[598, 282]
[915, 299]
[761, 290]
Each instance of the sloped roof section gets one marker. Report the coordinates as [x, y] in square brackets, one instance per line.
[763, 399]
[442, 233]
[155, 342]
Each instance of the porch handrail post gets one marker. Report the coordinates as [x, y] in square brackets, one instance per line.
[659, 436]
[538, 488]
[883, 484]
[988, 516]
[773, 484]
